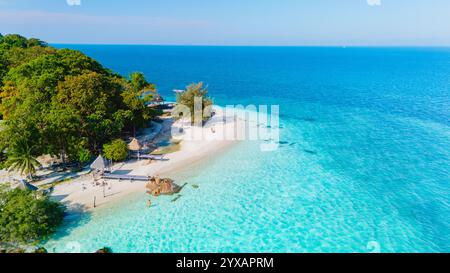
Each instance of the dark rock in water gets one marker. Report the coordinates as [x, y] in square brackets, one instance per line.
[104, 250]
[283, 142]
[157, 186]
[176, 198]
[40, 250]
[309, 152]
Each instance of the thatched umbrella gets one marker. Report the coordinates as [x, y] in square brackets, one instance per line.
[135, 146]
[99, 164]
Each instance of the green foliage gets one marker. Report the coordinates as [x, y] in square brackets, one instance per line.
[26, 218]
[16, 50]
[84, 156]
[89, 93]
[138, 82]
[187, 99]
[17, 55]
[62, 102]
[32, 42]
[117, 150]
[137, 94]
[59, 132]
[3, 65]
[21, 158]
[14, 40]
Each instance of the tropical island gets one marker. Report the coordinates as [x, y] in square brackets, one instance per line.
[75, 135]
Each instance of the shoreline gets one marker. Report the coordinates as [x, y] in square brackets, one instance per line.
[80, 193]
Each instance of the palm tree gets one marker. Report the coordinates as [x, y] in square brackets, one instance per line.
[20, 158]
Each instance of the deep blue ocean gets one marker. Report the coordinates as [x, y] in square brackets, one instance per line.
[364, 161]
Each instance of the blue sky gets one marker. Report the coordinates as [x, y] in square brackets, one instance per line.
[231, 22]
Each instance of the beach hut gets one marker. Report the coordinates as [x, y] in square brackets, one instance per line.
[99, 164]
[135, 146]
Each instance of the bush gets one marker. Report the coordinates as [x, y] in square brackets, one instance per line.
[117, 150]
[84, 156]
[26, 217]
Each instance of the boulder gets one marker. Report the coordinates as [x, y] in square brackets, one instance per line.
[157, 186]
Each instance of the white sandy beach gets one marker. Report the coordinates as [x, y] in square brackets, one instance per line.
[79, 193]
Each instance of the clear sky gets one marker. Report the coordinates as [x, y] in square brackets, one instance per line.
[231, 22]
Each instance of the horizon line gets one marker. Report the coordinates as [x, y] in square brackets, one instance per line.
[246, 45]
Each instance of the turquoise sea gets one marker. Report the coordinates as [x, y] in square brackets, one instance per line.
[363, 163]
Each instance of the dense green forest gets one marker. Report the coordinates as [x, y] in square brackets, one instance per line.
[63, 103]
[26, 218]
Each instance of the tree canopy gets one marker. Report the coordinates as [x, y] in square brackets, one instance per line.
[21, 159]
[187, 99]
[61, 102]
[26, 217]
[117, 150]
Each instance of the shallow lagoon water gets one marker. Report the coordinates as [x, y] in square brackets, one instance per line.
[362, 166]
